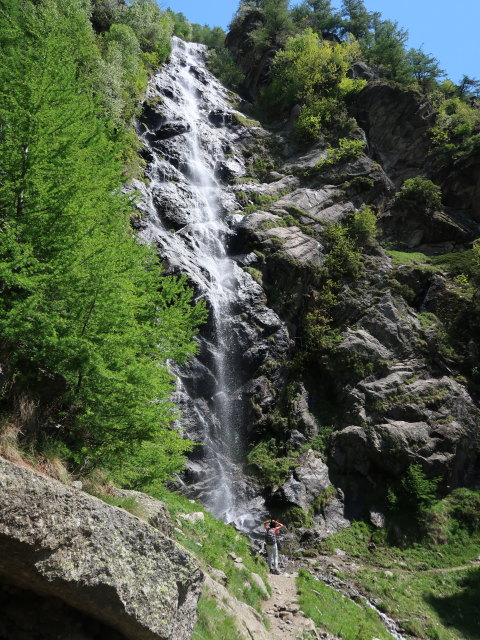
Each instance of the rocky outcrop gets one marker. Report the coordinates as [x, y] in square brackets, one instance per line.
[58, 542]
[396, 124]
[247, 620]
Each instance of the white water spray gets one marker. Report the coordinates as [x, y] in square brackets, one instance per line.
[186, 153]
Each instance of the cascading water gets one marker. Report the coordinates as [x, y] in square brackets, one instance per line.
[187, 216]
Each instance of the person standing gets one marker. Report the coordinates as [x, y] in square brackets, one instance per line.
[271, 529]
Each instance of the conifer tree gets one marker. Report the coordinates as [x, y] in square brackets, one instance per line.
[81, 298]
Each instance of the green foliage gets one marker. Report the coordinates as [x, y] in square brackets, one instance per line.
[316, 14]
[430, 586]
[152, 28]
[386, 51]
[344, 258]
[407, 257]
[357, 20]
[465, 508]
[272, 463]
[421, 192]
[415, 494]
[346, 150]
[312, 73]
[181, 27]
[212, 622]
[82, 299]
[213, 37]
[363, 226]
[297, 517]
[425, 68]
[337, 614]
[276, 28]
[457, 128]
[222, 64]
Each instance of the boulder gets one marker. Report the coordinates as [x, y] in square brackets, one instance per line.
[307, 482]
[248, 622]
[153, 511]
[59, 542]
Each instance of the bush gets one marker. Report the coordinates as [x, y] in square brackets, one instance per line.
[346, 150]
[364, 226]
[422, 192]
[415, 494]
[465, 507]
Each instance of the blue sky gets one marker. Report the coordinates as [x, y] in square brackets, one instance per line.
[447, 29]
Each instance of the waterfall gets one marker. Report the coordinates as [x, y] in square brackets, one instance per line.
[188, 215]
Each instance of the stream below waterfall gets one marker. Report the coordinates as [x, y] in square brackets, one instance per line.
[187, 210]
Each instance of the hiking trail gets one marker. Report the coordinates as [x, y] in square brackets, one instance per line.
[284, 613]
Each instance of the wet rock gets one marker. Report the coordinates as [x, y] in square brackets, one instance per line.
[171, 129]
[220, 118]
[98, 559]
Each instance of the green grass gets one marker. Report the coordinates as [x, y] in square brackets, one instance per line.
[455, 263]
[213, 623]
[337, 614]
[408, 257]
[211, 540]
[431, 586]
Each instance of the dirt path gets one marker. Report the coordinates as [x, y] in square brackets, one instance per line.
[283, 612]
[353, 565]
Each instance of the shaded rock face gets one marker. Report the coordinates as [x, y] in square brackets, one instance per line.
[396, 124]
[461, 185]
[24, 614]
[60, 543]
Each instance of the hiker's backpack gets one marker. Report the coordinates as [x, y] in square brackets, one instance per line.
[270, 537]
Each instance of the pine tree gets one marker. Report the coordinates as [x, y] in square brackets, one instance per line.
[81, 298]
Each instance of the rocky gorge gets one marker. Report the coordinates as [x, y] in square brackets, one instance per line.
[338, 354]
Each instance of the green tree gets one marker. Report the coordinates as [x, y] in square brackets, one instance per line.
[152, 28]
[316, 14]
[386, 50]
[81, 298]
[469, 87]
[277, 26]
[106, 12]
[121, 77]
[425, 68]
[313, 74]
[357, 20]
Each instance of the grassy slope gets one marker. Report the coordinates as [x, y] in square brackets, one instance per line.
[425, 587]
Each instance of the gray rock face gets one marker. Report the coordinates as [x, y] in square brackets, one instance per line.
[396, 123]
[392, 324]
[307, 482]
[318, 204]
[432, 422]
[57, 541]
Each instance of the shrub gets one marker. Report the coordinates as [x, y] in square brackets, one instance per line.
[422, 192]
[346, 150]
[364, 226]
